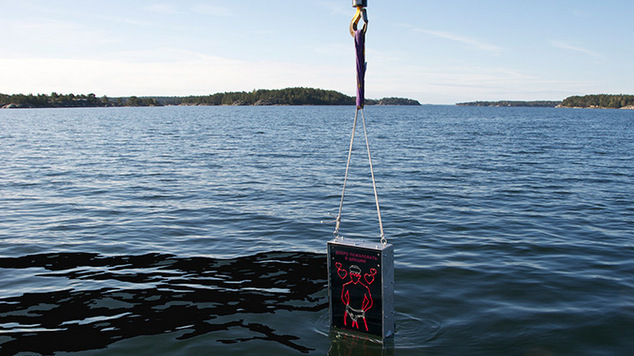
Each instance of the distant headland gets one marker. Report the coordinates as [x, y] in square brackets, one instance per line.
[288, 96]
[513, 103]
[598, 101]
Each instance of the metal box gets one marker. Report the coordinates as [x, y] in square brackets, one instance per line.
[361, 287]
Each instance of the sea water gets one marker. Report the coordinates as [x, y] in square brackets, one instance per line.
[189, 230]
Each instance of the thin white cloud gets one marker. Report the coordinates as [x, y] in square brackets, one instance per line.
[46, 32]
[164, 9]
[471, 42]
[186, 73]
[203, 9]
[569, 47]
[451, 84]
[336, 7]
[212, 10]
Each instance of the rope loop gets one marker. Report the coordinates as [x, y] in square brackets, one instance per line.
[345, 179]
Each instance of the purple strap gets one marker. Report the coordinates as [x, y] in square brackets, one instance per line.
[359, 45]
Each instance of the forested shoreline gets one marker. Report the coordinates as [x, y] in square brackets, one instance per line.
[606, 101]
[56, 100]
[288, 96]
[599, 101]
[513, 103]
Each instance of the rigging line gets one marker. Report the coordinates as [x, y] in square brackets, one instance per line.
[376, 196]
[345, 179]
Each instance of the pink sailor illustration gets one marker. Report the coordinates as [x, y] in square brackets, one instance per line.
[355, 294]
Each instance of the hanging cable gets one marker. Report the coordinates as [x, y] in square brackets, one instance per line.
[345, 177]
[359, 43]
[376, 195]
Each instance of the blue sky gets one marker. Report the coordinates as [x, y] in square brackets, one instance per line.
[438, 52]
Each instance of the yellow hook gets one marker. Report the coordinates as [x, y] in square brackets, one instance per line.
[361, 12]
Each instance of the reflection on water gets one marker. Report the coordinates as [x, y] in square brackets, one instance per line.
[345, 344]
[112, 298]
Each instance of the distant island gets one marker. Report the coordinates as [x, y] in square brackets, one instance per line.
[395, 101]
[288, 96]
[514, 103]
[598, 101]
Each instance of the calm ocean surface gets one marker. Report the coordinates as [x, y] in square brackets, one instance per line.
[197, 230]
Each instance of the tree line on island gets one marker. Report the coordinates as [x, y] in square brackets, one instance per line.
[600, 101]
[56, 100]
[513, 103]
[288, 96]
[605, 101]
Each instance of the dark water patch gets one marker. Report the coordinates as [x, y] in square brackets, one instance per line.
[112, 298]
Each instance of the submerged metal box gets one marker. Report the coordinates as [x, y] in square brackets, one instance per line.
[361, 287]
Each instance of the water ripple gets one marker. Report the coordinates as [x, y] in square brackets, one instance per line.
[512, 228]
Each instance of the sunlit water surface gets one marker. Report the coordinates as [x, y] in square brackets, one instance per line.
[189, 230]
